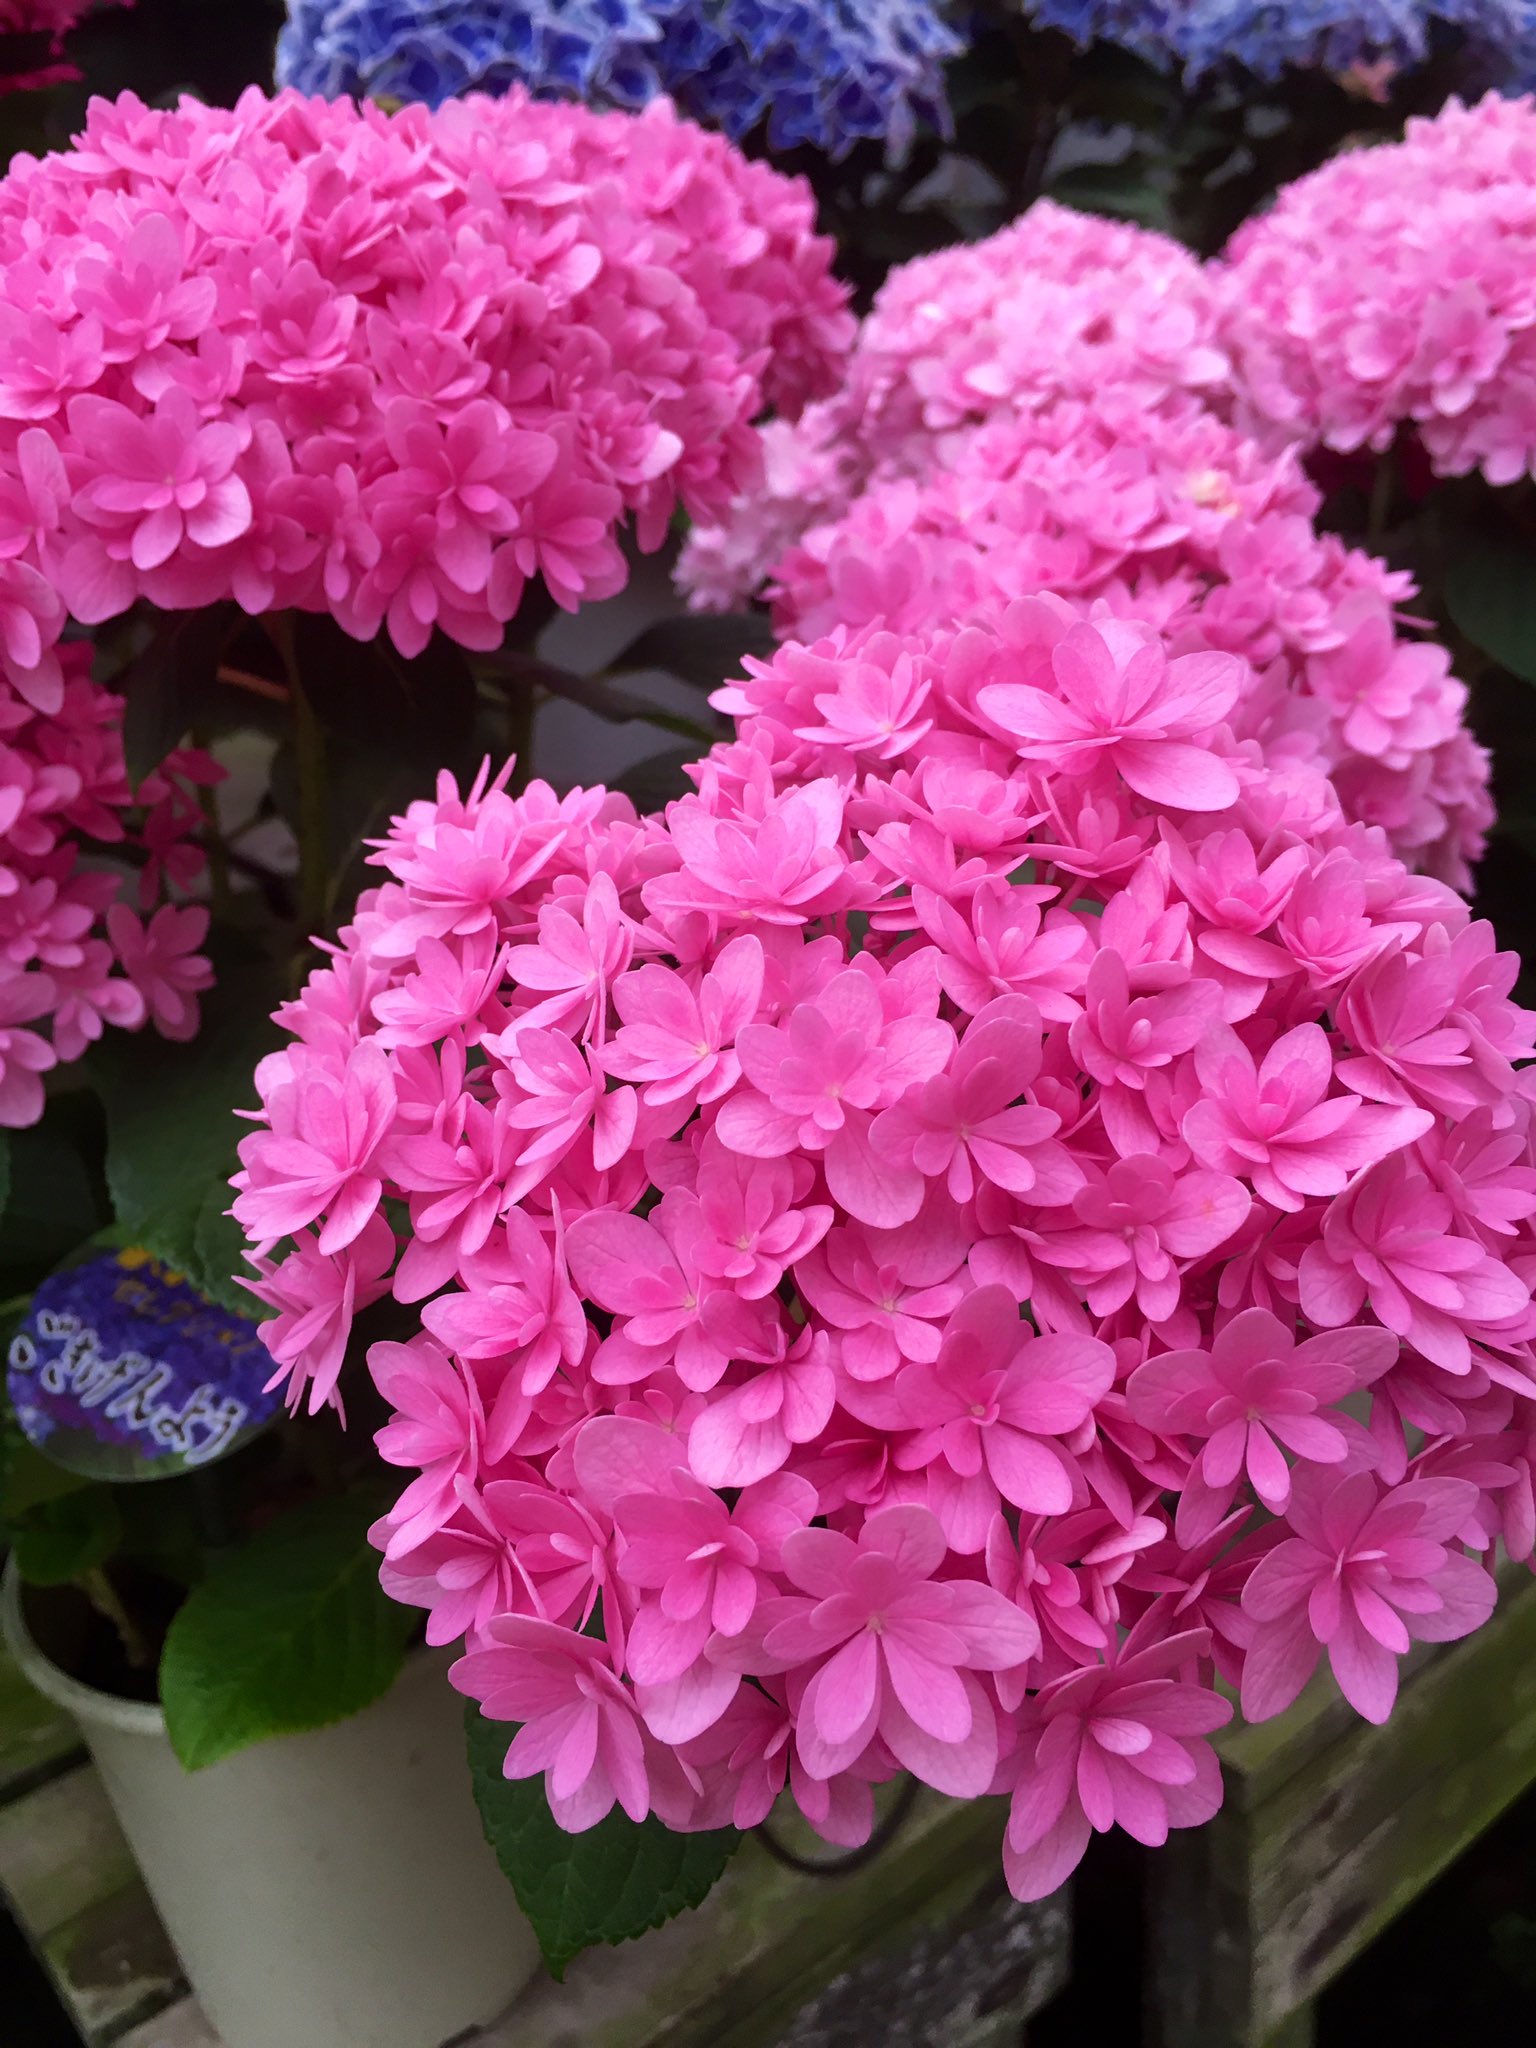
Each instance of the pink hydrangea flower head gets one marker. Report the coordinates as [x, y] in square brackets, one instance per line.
[971, 459]
[937, 1246]
[247, 370]
[1343, 354]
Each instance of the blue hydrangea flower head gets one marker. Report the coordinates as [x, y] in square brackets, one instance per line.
[1267, 36]
[828, 73]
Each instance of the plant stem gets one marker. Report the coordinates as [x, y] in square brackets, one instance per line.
[103, 1596]
[309, 745]
[258, 686]
[522, 703]
[1383, 490]
[309, 761]
[317, 1451]
[213, 843]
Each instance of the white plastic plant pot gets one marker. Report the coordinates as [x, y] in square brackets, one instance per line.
[331, 1890]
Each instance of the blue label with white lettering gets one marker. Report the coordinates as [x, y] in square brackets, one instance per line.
[120, 1369]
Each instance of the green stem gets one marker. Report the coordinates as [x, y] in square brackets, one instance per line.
[103, 1596]
[522, 703]
[317, 1450]
[213, 845]
[309, 762]
[309, 744]
[1383, 490]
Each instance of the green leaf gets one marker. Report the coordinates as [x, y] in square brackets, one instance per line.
[57, 1197]
[1488, 595]
[28, 1480]
[1123, 191]
[605, 699]
[607, 1885]
[172, 1131]
[394, 723]
[653, 783]
[289, 1632]
[702, 648]
[164, 683]
[59, 1539]
[5, 1173]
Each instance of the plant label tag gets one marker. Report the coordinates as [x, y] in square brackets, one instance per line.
[121, 1370]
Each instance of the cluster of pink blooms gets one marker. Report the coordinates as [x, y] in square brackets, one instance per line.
[308, 355]
[1082, 450]
[305, 355]
[74, 950]
[1393, 288]
[1059, 305]
[1003, 1208]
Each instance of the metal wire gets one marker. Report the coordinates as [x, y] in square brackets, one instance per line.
[853, 1859]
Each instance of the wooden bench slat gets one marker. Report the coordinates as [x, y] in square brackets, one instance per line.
[922, 1943]
[113, 1965]
[180, 2026]
[61, 1852]
[36, 1738]
[1331, 1827]
[739, 1971]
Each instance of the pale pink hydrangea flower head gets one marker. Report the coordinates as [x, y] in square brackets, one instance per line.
[969, 462]
[1391, 289]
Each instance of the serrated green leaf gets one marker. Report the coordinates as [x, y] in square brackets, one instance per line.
[608, 1885]
[59, 1539]
[1488, 595]
[289, 1632]
[162, 685]
[172, 1132]
[218, 1251]
[57, 1197]
[390, 723]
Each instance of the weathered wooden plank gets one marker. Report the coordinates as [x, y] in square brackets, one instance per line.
[113, 1965]
[773, 1957]
[179, 2026]
[1299, 2031]
[1331, 1827]
[36, 1739]
[71, 1882]
[922, 1944]
[61, 1852]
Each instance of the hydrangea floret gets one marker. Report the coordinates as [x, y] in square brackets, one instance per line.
[823, 73]
[81, 947]
[304, 356]
[1390, 290]
[1001, 1209]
